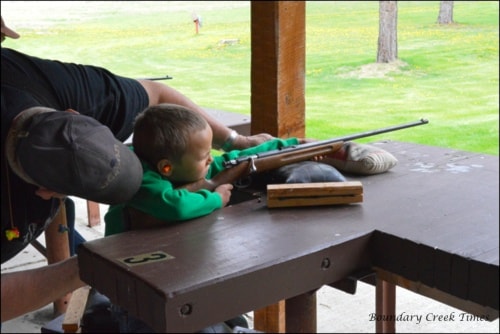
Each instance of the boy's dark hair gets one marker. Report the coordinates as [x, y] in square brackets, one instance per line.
[163, 131]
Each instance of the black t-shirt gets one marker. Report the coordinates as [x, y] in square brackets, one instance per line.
[93, 91]
[30, 81]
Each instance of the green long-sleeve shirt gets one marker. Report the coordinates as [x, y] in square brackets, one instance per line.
[158, 197]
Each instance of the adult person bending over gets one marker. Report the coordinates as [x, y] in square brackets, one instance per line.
[101, 98]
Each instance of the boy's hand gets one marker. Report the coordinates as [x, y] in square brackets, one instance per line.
[224, 190]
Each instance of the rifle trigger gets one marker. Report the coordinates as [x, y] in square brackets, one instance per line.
[252, 167]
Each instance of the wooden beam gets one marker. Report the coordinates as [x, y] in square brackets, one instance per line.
[278, 68]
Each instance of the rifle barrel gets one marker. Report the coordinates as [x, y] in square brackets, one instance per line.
[383, 130]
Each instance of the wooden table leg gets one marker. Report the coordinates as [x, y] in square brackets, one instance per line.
[385, 306]
[93, 213]
[270, 319]
[301, 314]
[57, 246]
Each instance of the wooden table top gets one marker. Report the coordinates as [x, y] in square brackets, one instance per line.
[433, 219]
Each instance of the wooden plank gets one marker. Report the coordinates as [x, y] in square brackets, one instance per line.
[317, 189]
[75, 310]
[313, 194]
[425, 265]
[459, 285]
[313, 201]
[480, 276]
[442, 269]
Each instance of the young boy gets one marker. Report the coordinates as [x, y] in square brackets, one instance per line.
[175, 150]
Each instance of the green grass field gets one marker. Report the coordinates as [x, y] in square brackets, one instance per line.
[448, 74]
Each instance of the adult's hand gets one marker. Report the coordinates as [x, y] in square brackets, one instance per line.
[47, 194]
[242, 142]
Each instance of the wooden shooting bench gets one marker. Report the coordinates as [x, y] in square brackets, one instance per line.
[430, 225]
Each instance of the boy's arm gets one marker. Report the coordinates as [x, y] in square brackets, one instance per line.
[160, 198]
[226, 176]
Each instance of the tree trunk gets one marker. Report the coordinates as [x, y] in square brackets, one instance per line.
[445, 12]
[388, 32]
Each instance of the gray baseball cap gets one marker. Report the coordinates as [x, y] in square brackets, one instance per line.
[72, 154]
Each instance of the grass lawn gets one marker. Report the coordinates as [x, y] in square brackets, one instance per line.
[447, 74]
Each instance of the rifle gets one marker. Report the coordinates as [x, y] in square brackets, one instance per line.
[265, 161]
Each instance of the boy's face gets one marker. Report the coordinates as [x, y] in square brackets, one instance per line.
[194, 164]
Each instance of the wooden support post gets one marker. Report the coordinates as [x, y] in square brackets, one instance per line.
[270, 319]
[278, 68]
[277, 91]
[93, 213]
[385, 306]
[301, 314]
[57, 247]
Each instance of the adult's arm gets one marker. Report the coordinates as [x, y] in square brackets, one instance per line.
[161, 93]
[28, 290]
